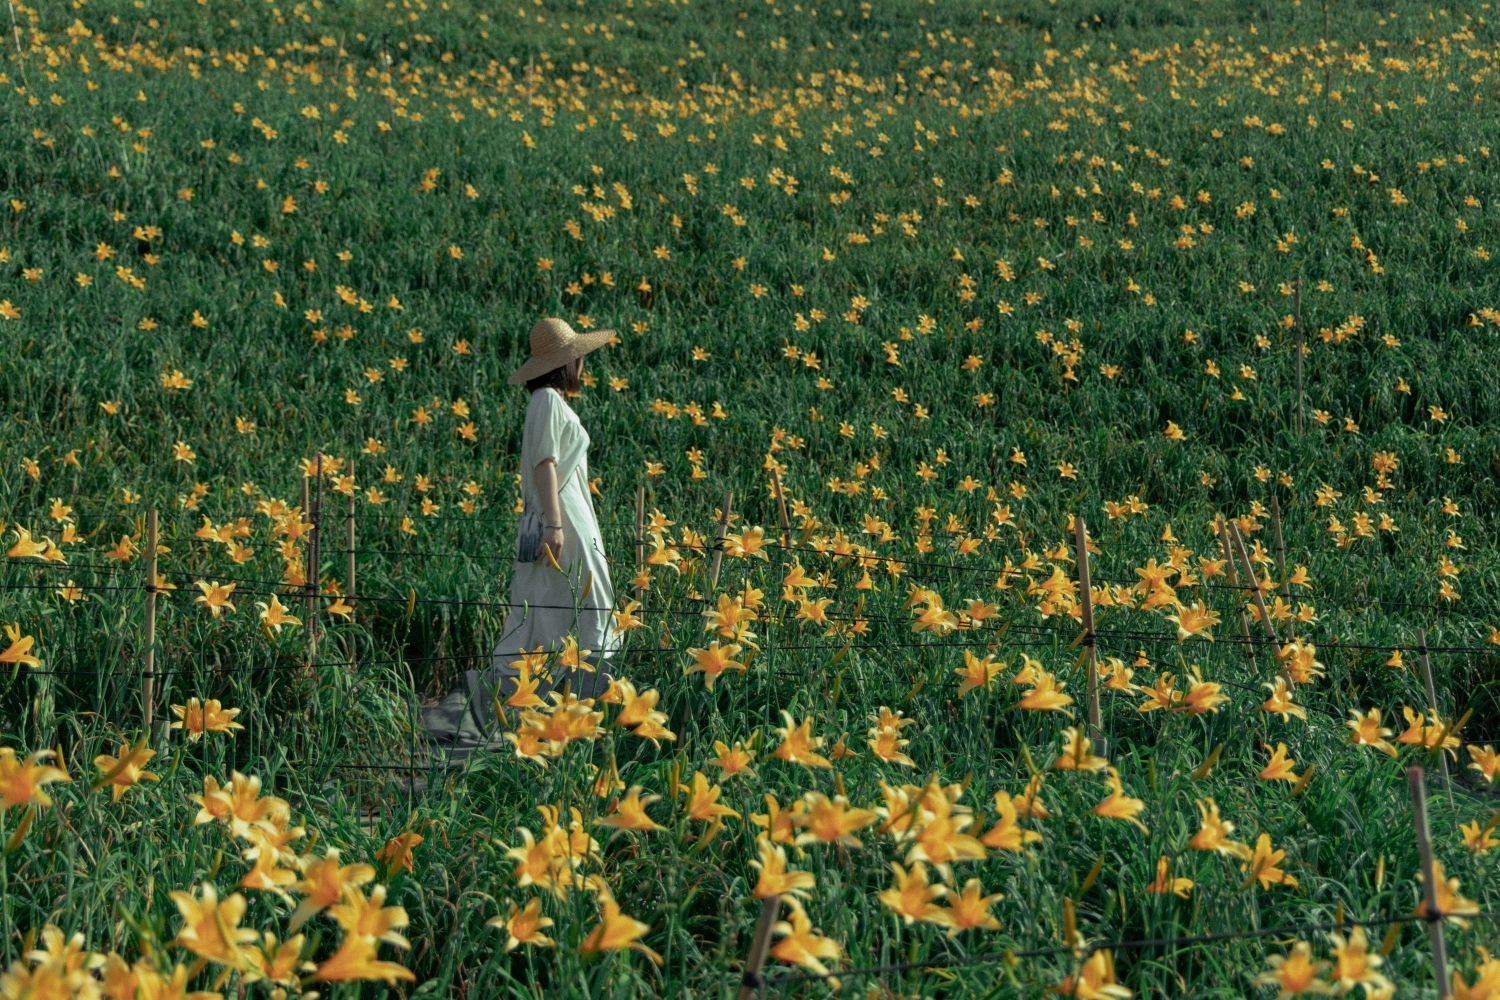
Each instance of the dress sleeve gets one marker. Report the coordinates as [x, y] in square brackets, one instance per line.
[542, 438]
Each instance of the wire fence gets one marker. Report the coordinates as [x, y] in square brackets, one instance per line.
[283, 589]
[1081, 953]
[869, 559]
[994, 631]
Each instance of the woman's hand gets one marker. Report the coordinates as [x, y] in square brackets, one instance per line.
[552, 531]
[551, 544]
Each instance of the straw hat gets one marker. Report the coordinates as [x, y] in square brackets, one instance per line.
[553, 344]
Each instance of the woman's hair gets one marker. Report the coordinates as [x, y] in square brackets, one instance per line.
[563, 379]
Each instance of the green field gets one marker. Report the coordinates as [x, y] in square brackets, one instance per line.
[957, 273]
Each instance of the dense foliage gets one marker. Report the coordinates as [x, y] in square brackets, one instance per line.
[956, 274]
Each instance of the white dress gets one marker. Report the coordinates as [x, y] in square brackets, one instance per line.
[547, 606]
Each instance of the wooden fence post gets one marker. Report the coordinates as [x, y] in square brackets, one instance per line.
[713, 572]
[1298, 314]
[751, 982]
[148, 678]
[1091, 655]
[1286, 590]
[314, 562]
[349, 589]
[1414, 778]
[640, 537]
[1432, 705]
[307, 557]
[786, 524]
[1234, 582]
[1260, 600]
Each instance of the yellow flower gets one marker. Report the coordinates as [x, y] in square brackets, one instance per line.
[615, 931]
[323, 883]
[732, 760]
[275, 615]
[1368, 732]
[977, 673]
[780, 824]
[356, 960]
[1450, 902]
[831, 821]
[1486, 980]
[798, 744]
[1078, 752]
[713, 661]
[703, 801]
[775, 879]
[215, 597]
[369, 917]
[1280, 767]
[1486, 762]
[524, 926]
[1095, 980]
[1118, 805]
[1007, 833]
[19, 650]
[1214, 833]
[971, 909]
[1165, 883]
[21, 781]
[1194, 619]
[397, 851]
[128, 769]
[210, 928]
[1295, 974]
[209, 717]
[1262, 865]
[911, 897]
[802, 944]
[1047, 695]
[1355, 966]
[630, 812]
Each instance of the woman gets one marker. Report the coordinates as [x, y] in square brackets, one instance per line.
[561, 584]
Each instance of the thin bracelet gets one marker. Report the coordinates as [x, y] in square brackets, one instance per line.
[558, 527]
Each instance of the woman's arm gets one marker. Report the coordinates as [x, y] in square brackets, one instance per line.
[545, 476]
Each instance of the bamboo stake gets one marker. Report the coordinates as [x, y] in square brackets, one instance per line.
[306, 506]
[713, 573]
[1432, 705]
[350, 588]
[349, 648]
[1234, 581]
[1298, 287]
[1091, 653]
[640, 537]
[1286, 590]
[148, 679]
[1260, 600]
[786, 524]
[751, 982]
[314, 562]
[1415, 779]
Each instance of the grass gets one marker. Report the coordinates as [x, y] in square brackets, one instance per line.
[1021, 211]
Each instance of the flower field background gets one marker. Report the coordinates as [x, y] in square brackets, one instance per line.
[954, 274]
